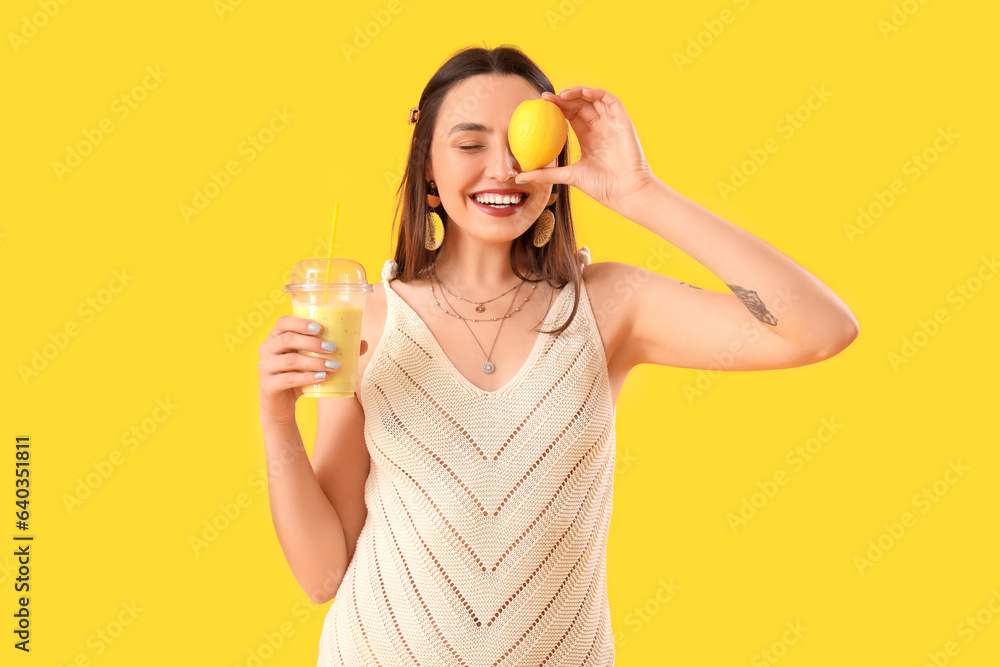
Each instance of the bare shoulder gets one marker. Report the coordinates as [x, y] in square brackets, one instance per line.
[375, 307]
[612, 287]
[600, 276]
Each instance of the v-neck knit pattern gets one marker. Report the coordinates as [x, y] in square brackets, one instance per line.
[488, 511]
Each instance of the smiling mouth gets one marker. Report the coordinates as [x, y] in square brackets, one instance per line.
[500, 201]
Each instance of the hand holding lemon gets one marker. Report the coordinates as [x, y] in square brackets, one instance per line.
[612, 168]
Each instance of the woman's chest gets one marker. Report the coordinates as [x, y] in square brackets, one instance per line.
[506, 346]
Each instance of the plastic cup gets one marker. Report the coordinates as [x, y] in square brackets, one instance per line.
[332, 292]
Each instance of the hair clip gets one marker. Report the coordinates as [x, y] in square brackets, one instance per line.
[414, 115]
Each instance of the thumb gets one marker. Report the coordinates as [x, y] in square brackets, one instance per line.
[548, 175]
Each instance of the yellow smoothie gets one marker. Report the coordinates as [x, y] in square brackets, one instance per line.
[341, 320]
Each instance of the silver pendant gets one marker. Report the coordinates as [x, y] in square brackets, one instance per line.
[488, 367]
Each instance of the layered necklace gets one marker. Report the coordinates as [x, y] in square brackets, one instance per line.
[488, 365]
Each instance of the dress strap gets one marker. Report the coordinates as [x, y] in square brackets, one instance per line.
[390, 269]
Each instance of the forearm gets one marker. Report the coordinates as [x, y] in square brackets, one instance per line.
[788, 299]
[307, 525]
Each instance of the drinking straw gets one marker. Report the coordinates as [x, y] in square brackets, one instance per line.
[333, 236]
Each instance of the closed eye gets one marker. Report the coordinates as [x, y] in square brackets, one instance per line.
[465, 148]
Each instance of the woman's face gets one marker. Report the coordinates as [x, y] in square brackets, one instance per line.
[469, 156]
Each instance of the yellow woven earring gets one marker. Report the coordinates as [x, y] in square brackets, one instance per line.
[545, 223]
[434, 228]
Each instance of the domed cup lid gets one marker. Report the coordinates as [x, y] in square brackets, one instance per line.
[328, 274]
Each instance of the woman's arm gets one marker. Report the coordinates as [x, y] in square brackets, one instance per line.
[342, 463]
[778, 314]
[308, 528]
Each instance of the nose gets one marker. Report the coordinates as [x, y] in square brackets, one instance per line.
[503, 165]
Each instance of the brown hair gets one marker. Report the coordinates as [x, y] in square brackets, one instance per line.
[556, 261]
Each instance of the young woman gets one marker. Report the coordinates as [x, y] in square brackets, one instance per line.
[457, 509]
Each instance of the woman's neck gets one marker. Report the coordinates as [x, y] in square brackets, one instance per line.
[475, 271]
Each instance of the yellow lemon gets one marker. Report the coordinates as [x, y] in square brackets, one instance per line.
[537, 133]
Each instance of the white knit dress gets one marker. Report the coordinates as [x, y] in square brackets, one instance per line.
[488, 511]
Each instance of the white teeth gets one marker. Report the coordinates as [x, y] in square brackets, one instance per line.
[490, 198]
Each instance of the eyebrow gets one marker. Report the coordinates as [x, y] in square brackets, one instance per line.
[474, 127]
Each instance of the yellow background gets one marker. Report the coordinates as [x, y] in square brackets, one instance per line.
[684, 461]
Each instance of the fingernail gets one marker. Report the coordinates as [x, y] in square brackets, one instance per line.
[333, 364]
[521, 182]
[320, 376]
[314, 327]
[328, 346]
[563, 91]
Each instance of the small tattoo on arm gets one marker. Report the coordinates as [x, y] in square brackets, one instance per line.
[689, 285]
[753, 304]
